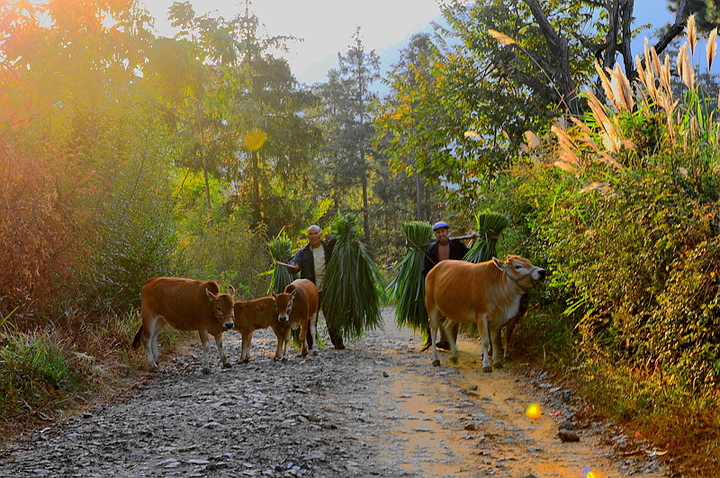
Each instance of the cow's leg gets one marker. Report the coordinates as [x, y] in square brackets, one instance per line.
[303, 339]
[484, 330]
[150, 339]
[313, 331]
[508, 333]
[280, 335]
[205, 341]
[447, 327]
[288, 338]
[245, 351]
[433, 323]
[495, 341]
[221, 351]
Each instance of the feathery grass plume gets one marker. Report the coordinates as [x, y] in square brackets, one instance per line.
[532, 139]
[408, 287]
[685, 69]
[611, 140]
[501, 37]
[692, 34]
[352, 288]
[609, 93]
[621, 89]
[665, 75]
[489, 227]
[711, 47]
[280, 250]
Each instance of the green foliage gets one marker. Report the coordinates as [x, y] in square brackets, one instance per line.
[229, 252]
[408, 287]
[489, 226]
[352, 289]
[36, 372]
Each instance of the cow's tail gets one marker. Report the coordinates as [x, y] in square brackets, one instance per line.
[138, 336]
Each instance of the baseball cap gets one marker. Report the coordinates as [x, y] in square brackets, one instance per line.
[440, 225]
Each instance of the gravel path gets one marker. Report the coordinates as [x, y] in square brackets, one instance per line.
[376, 409]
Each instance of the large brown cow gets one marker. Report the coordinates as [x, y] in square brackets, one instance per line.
[303, 313]
[251, 315]
[487, 294]
[186, 305]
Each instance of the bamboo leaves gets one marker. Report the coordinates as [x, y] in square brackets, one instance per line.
[352, 288]
[280, 251]
[408, 287]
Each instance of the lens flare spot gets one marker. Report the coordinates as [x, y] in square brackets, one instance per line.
[533, 411]
[588, 473]
[254, 139]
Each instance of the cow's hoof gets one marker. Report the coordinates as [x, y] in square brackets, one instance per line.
[436, 363]
[487, 369]
[498, 365]
[453, 359]
[206, 371]
[227, 365]
[277, 359]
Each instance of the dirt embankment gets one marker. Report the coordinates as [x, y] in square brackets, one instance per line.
[377, 409]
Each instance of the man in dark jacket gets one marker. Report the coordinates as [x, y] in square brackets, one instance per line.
[310, 260]
[443, 248]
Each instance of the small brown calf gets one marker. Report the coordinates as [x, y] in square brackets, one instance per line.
[302, 312]
[261, 313]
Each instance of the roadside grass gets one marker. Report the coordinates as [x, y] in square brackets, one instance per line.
[654, 404]
[49, 374]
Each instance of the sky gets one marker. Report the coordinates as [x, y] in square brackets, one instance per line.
[327, 26]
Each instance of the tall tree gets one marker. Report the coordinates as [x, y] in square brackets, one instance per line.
[346, 98]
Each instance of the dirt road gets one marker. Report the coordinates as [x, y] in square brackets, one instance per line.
[377, 409]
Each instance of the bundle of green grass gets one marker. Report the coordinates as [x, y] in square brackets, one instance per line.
[352, 289]
[280, 251]
[489, 227]
[408, 287]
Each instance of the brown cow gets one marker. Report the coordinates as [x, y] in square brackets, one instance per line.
[261, 313]
[487, 294]
[187, 305]
[303, 313]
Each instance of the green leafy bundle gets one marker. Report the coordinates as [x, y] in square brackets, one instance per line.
[408, 287]
[489, 227]
[280, 250]
[352, 288]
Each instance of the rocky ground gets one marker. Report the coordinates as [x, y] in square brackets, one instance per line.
[378, 408]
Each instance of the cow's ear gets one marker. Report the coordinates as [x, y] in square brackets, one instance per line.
[231, 291]
[210, 294]
[500, 265]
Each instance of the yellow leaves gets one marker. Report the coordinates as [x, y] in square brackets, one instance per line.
[502, 38]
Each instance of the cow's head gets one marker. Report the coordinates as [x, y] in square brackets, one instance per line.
[284, 303]
[521, 271]
[223, 307]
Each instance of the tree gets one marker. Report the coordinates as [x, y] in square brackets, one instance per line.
[346, 116]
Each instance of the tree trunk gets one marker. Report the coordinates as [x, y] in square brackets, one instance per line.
[560, 73]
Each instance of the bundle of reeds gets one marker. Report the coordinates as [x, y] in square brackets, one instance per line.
[408, 287]
[352, 288]
[489, 227]
[280, 251]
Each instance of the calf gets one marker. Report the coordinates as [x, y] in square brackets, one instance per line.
[302, 312]
[261, 313]
[186, 305]
[488, 294]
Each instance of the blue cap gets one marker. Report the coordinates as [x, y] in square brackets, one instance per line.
[440, 225]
